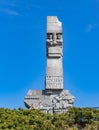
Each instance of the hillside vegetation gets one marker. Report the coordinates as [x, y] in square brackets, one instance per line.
[74, 119]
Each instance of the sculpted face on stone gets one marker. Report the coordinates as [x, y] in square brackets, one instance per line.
[49, 36]
[59, 36]
[49, 40]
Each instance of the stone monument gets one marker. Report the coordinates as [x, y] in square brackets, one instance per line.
[54, 98]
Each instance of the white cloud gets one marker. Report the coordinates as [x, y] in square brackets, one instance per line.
[90, 27]
[7, 7]
[9, 11]
[10, 7]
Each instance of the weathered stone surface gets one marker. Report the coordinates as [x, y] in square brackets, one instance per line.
[54, 98]
[54, 70]
[55, 102]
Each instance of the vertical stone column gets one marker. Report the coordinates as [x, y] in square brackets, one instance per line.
[54, 69]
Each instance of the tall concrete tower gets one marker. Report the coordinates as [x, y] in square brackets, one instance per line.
[54, 47]
[53, 98]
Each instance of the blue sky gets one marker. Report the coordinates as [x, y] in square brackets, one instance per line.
[23, 48]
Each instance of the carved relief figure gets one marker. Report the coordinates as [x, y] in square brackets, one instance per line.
[32, 107]
[59, 39]
[49, 39]
[40, 106]
[54, 39]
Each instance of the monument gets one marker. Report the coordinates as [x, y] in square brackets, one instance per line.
[53, 98]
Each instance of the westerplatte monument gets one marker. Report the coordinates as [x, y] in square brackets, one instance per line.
[53, 98]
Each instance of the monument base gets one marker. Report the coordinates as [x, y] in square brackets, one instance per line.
[49, 101]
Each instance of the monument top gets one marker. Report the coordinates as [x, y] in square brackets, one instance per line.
[53, 24]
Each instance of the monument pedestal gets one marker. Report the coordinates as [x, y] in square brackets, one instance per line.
[55, 101]
[54, 98]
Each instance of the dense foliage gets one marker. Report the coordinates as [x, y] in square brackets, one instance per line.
[75, 118]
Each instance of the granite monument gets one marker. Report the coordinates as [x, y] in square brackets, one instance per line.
[53, 98]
